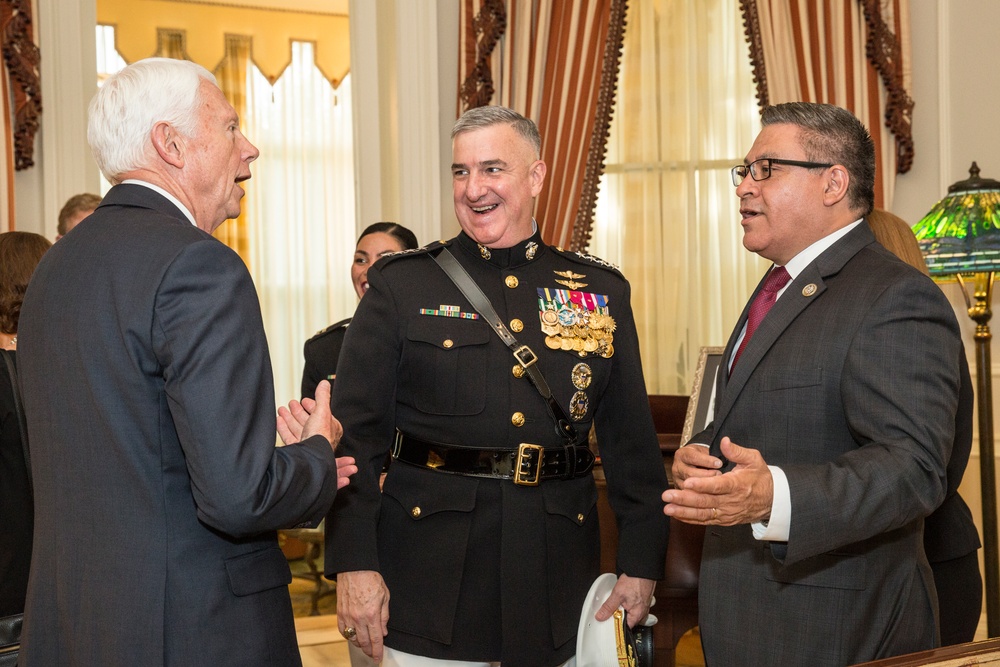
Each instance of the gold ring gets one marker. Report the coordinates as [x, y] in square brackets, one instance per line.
[715, 514]
[350, 633]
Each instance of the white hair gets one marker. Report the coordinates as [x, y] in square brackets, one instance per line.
[132, 101]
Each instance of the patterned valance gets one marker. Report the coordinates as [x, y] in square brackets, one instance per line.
[852, 53]
[140, 26]
[557, 63]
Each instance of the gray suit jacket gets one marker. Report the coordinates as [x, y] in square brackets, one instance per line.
[851, 386]
[148, 391]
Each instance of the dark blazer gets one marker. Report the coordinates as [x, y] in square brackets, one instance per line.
[950, 532]
[16, 512]
[149, 396]
[478, 568]
[321, 353]
[851, 386]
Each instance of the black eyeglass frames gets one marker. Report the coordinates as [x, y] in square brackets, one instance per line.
[760, 170]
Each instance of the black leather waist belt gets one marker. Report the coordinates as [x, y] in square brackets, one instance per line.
[526, 466]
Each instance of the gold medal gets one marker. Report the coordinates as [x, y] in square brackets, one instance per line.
[590, 344]
[608, 351]
[549, 317]
[552, 342]
[581, 376]
[578, 345]
[566, 344]
[578, 406]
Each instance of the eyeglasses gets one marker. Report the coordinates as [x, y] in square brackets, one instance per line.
[760, 170]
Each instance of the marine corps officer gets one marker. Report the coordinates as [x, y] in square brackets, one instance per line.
[486, 535]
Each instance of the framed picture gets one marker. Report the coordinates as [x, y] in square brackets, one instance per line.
[702, 402]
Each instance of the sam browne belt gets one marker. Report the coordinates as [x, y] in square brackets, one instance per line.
[526, 466]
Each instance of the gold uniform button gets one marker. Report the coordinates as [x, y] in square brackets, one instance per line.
[517, 419]
[518, 370]
[511, 281]
[516, 325]
[579, 518]
[448, 343]
[415, 512]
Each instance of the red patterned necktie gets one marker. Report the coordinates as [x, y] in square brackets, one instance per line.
[776, 280]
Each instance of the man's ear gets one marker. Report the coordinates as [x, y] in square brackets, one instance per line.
[169, 144]
[537, 175]
[837, 180]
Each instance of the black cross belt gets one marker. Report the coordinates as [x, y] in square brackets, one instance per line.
[526, 466]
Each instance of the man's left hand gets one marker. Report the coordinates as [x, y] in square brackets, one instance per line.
[633, 595]
[742, 495]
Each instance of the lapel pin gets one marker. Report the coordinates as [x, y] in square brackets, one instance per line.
[809, 289]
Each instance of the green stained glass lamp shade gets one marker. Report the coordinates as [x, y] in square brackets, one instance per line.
[961, 234]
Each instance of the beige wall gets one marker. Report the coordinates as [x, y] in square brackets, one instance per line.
[956, 88]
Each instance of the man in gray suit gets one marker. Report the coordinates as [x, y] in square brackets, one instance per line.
[834, 421]
[148, 392]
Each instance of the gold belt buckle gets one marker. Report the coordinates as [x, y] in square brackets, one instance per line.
[528, 455]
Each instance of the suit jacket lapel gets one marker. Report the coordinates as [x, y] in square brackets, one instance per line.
[808, 286]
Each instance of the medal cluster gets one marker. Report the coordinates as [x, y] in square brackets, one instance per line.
[578, 330]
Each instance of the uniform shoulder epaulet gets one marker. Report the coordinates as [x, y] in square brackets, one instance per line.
[330, 329]
[589, 260]
[423, 250]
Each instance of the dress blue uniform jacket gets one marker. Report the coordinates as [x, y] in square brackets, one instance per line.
[482, 569]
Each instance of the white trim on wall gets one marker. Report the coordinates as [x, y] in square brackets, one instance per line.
[64, 165]
[405, 66]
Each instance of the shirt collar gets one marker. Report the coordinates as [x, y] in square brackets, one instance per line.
[173, 200]
[803, 259]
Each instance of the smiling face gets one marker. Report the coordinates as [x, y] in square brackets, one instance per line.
[370, 248]
[496, 176]
[216, 161]
[791, 210]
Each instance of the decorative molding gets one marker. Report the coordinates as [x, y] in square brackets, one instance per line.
[22, 58]
[584, 223]
[319, 7]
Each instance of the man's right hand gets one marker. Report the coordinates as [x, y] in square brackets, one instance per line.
[363, 604]
[300, 421]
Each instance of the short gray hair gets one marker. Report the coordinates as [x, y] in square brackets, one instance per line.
[833, 134]
[132, 101]
[480, 117]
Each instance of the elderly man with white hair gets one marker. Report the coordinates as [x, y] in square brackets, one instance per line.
[149, 399]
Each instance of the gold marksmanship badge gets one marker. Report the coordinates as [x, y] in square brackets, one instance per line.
[577, 322]
[578, 406]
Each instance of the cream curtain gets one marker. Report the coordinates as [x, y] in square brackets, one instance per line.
[852, 53]
[301, 236]
[555, 62]
[667, 211]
